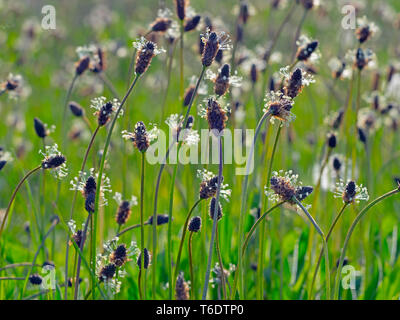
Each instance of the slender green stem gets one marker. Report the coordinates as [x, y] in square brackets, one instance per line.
[140, 281]
[78, 268]
[249, 167]
[358, 102]
[178, 259]
[273, 44]
[101, 169]
[350, 232]
[14, 195]
[72, 211]
[260, 274]
[215, 221]
[169, 70]
[320, 255]
[318, 229]
[298, 31]
[253, 228]
[142, 221]
[53, 225]
[221, 264]
[63, 120]
[192, 286]
[181, 62]
[169, 243]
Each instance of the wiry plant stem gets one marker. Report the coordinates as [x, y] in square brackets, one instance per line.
[221, 264]
[215, 221]
[101, 169]
[13, 197]
[322, 250]
[142, 223]
[318, 229]
[72, 210]
[193, 291]
[350, 232]
[249, 166]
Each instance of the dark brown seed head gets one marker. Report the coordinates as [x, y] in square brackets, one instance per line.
[281, 109]
[221, 84]
[304, 53]
[361, 135]
[40, 128]
[103, 115]
[307, 4]
[216, 116]
[211, 47]
[146, 259]
[53, 162]
[295, 84]
[123, 212]
[220, 56]
[2, 164]
[208, 188]
[338, 72]
[201, 45]
[349, 192]
[161, 24]
[181, 288]
[212, 209]
[11, 85]
[107, 272]
[100, 64]
[283, 189]
[77, 237]
[363, 33]
[90, 186]
[35, 279]
[119, 255]
[253, 73]
[161, 219]
[337, 164]
[190, 122]
[82, 65]
[194, 224]
[181, 6]
[188, 95]
[244, 11]
[144, 57]
[89, 202]
[303, 192]
[361, 61]
[338, 120]
[140, 137]
[331, 141]
[76, 109]
[192, 23]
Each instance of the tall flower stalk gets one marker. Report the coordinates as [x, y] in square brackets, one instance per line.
[350, 232]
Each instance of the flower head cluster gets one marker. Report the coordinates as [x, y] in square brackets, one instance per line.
[124, 208]
[209, 184]
[351, 192]
[285, 187]
[186, 135]
[223, 80]
[146, 51]
[365, 30]
[13, 85]
[55, 161]
[307, 50]
[279, 106]
[216, 271]
[361, 58]
[79, 183]
[141, 137]
[181, 288]
[104, 109]
[114, 257]
[213, 42]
